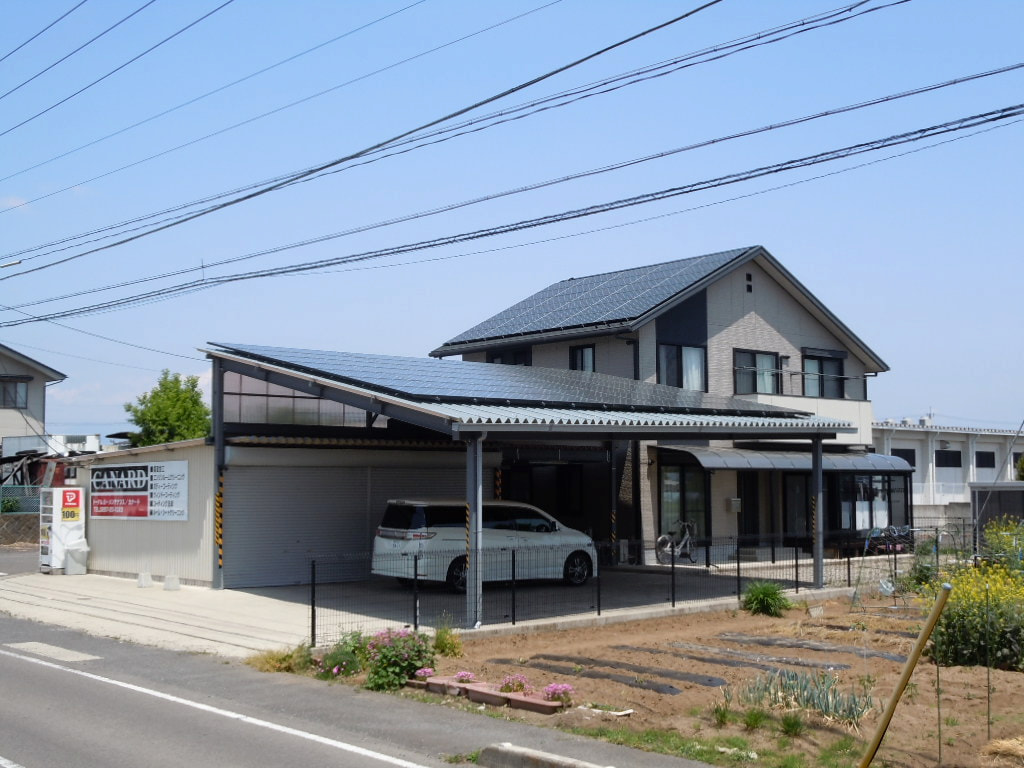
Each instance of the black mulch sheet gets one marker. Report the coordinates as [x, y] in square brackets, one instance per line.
[810, 645]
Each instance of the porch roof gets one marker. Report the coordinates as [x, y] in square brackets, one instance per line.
[798, 461]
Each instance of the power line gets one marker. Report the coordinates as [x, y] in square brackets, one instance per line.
[41, 31]
[271, 112]
[744, 43]
[960, 124]
[219, 89]
[549, 182]
[118, 68]
[86, 44]
[80, 357]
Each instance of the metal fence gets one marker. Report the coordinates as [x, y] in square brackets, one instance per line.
[19, 514]
[355, 593]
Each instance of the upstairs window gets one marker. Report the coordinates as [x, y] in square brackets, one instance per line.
[14, 394]
[756, 372]
[582, 358]
[909, 455]
[823, 374]
[944, 458]
[985, 459]
[682, 367]
[521, 356]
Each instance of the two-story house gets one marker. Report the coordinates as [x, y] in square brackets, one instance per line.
[734, 323]
[23, 383]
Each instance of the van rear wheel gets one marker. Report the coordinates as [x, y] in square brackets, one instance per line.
[456, 578]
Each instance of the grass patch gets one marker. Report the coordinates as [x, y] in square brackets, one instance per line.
[469, 757]
[842, 754]
[298, 660]
[755, 718]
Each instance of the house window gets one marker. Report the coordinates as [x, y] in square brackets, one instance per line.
[756, 372]
[985, 459]
[522, 356]
[909, 455]
[681, 367]
[683, 497]
[582, 358]
[15, 394]
[944, 458]
[823, 377]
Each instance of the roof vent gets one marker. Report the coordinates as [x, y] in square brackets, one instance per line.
[924, 422]
[907, 422]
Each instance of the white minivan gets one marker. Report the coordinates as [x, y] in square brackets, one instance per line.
[435, 531]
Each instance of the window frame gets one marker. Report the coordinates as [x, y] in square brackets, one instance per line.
[14, 394]
[753, 370]
[822, 378]
[990, 459]
[511, 356]
[947, 455]
[577, 356]
[678, 375]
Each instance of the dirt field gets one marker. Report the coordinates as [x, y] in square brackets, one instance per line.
[672, 673]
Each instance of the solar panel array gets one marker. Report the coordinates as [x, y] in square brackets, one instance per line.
[436, 381]
[597, 299]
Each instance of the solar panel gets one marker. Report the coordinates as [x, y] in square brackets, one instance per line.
[432, 380]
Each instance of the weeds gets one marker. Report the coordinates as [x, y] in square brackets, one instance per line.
[765, 597]
[447, 641]
[754, 719]
[298, 660]
[792, 724]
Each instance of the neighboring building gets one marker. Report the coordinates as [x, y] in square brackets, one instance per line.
[947, 459]
[734, 324]
[23, 383]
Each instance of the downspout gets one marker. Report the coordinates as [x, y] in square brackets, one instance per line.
[817, 514]
[217, 413]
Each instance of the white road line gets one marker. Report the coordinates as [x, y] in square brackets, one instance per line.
[52, 651]
[5, 763]
[344, 746]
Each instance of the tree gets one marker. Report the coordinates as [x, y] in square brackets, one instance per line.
[172, 410]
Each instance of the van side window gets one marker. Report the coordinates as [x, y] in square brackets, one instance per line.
[498, 518]
[530, 521]
[446, 517]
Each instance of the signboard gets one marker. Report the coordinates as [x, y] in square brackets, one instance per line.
[71, 504]
[140, 491]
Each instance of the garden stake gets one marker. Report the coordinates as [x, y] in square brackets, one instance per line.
[908, 668]
[988, 664]
[938, 703]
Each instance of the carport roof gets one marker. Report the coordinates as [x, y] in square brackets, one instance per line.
[456, 396]
[743, 458]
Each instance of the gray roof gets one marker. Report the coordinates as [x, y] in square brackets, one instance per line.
[460, 398]
[611, 298]
[742, 458]
[458, 382]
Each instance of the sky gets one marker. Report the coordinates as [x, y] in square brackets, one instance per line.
[916, 247]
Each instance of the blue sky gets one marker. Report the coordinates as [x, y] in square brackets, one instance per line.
[919, 254]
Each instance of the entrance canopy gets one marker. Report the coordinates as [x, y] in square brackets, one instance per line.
[462, 399]
[796, 461]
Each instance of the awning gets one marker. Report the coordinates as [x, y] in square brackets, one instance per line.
[795, 461]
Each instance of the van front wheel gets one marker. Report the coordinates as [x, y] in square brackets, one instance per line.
[456, 578]
[577, 569]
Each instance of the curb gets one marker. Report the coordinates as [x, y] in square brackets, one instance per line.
[507, 755]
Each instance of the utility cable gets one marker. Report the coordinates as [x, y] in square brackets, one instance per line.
[559, 180]
[116, 69]
[41, 31]
[760, 36]
[79, 48]
[959, 124]
[217, 90]
[271, 112]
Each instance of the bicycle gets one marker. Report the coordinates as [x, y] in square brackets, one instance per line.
[677, 543]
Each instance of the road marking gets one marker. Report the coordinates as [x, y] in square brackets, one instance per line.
[344, 746]
[5, 763]
[52, 651]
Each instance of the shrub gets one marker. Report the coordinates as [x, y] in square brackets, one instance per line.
[297, 660]
[344, 659]
[1003, 538]
[985, 605]
[765, 597]
[447, 641]
[9, 506]
[754, 719]
[393, 656]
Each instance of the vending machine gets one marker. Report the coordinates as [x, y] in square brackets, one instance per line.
[62, 544]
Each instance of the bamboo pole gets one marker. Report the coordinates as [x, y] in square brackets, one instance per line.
[908, 669]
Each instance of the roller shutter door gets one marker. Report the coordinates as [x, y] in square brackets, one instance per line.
[277, 518]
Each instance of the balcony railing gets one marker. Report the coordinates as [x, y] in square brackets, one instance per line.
[766, 381]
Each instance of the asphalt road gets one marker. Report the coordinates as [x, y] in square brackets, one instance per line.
[18, 560]
[115, 704]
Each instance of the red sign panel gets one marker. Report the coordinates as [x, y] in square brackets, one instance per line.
[134, 505]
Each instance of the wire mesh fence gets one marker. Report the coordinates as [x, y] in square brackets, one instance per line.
[19, 514]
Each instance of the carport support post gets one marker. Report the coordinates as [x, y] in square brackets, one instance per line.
[474, 530]
[817, 514]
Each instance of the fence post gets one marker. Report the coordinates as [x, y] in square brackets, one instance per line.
[598, 580]
[796, 567]
[312, 603]
[739, 578]
[849, 569]
[416, 592]
[672, 561]
[513, 586]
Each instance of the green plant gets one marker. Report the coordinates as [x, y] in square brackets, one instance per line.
[469, 757]
[298, 660]
[447, 641]
[515, 684]
[9, 506]
[911, 691]
[722, 714]
[952, 721]
[983, 608]
[393, 656]
[765, 597]
[792, 724]
[346, 658]
[754, 719]
[819, 693]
